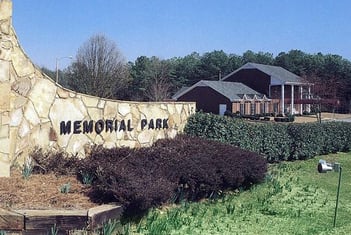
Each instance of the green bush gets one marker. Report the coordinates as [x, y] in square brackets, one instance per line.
[311, 139]
[337, 137]
[307, 140]
[276, 141]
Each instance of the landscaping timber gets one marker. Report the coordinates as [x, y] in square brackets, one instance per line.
[27, 222]
[11, 220]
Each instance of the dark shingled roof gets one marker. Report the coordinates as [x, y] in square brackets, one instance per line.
[276, 72]
[231, 90]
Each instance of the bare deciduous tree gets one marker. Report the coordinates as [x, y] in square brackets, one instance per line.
[325, 94]
[99, 69]
[159, 83]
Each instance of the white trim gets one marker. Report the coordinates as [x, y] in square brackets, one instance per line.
[282, 98]
[301, 97]
[292, 100]
[298, 83]
[275, 81]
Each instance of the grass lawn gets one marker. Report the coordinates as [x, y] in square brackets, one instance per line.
[294, 199]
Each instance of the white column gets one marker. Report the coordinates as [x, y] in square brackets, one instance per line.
[309, 97]
[292, 100]
[301, 97]
[282, 99]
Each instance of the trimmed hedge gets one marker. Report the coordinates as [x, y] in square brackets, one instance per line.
[276, 141]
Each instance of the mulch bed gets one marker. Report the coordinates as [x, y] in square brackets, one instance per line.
[43, 192]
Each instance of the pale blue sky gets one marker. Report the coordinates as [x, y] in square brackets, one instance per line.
[48, 29]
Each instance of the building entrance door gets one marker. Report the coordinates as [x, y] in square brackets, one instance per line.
[222, 109]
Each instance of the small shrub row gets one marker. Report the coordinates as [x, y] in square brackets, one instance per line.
[275, 141]
[254, 117]
[289, 118]
[309, 113]
[172, 170]
[311, 139]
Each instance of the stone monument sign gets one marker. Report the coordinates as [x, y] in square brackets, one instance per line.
[35, 111]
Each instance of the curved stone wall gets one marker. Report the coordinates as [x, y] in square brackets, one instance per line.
[34, 111]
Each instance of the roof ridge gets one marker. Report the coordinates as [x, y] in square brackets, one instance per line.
[274, 71]
[228, 89]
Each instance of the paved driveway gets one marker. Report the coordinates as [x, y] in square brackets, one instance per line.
[344, 120]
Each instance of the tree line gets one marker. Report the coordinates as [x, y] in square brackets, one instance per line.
[100, 69]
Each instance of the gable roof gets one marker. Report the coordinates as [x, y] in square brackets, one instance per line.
[180, 91]
[277, 74]
[232, 90]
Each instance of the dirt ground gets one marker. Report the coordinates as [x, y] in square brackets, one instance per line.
[325, 116]
[42, 192]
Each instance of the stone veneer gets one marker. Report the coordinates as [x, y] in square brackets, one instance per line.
[34, 111]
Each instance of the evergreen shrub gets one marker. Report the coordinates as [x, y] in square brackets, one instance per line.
[276, 141]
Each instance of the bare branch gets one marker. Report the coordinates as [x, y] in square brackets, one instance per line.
[99, 68]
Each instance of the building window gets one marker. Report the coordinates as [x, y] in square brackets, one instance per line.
[253, 108]
[276, 107]
[266, 105]
[242, 108]
[264, 108]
